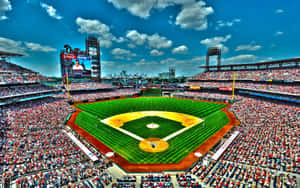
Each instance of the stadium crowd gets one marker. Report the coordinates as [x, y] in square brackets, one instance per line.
[104, 94]
[269, 74]
[13, 74]
[34, 147]
[156, 181]
[22, 89]
[88, 85]
[255, 86]
[207, 95]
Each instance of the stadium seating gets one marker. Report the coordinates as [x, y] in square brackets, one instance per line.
[21, 90]
[256, 75]
[88, 85]
[254, 86]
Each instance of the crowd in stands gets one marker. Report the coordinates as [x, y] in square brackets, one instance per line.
[23, 89]
[18, 78]
[272, 74]
[88, 85]
[269, 134]
[207, 95]
[67, 176]
[14, 74]
[256, 86]
[104, 94]
[232, 174]
[156, 181]
[34, 146]
[186, 180]
[125, 181]
[265, 154]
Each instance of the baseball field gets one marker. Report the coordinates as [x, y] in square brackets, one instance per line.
[152, 130]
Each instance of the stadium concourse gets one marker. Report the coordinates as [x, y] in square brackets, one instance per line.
[38, 150]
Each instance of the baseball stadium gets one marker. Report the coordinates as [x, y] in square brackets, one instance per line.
[149, 94]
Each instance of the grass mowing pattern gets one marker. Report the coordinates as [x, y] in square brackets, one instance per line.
[127, 147]
[139, 127]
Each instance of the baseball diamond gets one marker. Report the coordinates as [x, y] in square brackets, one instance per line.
[183, 125]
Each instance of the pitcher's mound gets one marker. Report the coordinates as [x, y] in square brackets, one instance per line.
[152, 126]
[154, 145]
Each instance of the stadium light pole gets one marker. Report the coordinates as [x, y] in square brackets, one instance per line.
[233, 85]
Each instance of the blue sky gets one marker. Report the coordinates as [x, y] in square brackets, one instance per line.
[148, 36]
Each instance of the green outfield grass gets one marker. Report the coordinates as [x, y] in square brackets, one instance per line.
[128, 147]
[139, 127]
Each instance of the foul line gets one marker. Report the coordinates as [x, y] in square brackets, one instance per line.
[177, 133]
[129, 133]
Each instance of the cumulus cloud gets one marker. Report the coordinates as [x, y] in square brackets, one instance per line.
[38, 47]
[279, 11]
[180, 50]
[153, 41]
[157, 41]
[135, 7]
[241, 58]
[51, 11]
[4, 7]
[122, 53]
[136, 37]
[216, 42]
[249, 47]
[279, 33]
[155, 52]
[90, 26]
[10, 45]
[194, 16]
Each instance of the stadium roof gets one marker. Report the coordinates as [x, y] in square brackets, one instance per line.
[9, 54]
[258, 65]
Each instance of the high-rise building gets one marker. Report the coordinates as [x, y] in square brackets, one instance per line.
[93, 50]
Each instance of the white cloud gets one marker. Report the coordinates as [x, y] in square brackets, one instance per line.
[279, 11]
[9, 45]
[130, 45]
[241, 58]
[4, 6]
[38, 47]
[122, 53]
[217, 42]
[51, 11]
[135, 7]
[155, 52]
[279, 33]
[96, 27]
[157, 41]
[194, 60]
[194, 16]
[249, 47]
[222, 23]
[180, 50]
[143, 62]
[153, 41]
[136, 37]
[3, 17]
